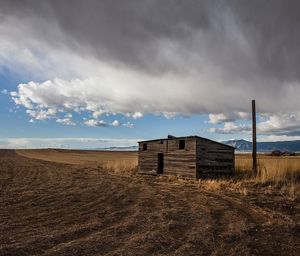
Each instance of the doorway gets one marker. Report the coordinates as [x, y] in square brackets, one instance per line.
[160, 163]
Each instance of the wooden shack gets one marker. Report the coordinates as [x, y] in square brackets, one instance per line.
[191, 157]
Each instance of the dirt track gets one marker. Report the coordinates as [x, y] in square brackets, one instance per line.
[59, 209]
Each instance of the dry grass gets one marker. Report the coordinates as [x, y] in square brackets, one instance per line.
[270, 169]
[280, 172]
[274, 173]
[128, 167]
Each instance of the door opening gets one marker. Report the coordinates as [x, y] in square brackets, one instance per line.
[160, 163]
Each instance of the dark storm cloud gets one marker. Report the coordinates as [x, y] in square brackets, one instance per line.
[128, 31]
[273, 28]
[119, 31]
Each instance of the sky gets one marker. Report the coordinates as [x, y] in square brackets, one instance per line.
[92, 74]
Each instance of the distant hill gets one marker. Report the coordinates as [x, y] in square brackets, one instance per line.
[246, 146]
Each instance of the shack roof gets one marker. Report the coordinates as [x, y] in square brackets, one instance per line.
[187, 137]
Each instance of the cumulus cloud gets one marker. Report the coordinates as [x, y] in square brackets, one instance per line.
[162, 57]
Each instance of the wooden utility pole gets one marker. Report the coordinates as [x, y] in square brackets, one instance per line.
[254, 146]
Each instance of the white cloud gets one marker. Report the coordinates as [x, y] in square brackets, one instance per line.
[40, 114]
[97, 113]
[66, 121]
[4, 91]
[115, 123]
[14, 94]
[231, 127]
[284, 124]
[102, 123]
[280, 123]
[101, 88]
[227, 117]
[170, 115]
[95, 123]
[137, 115]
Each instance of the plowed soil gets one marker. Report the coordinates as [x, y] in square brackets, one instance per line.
[50, 208]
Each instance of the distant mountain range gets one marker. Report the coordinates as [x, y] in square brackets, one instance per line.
[246, 146]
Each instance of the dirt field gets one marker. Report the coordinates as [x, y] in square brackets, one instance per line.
[86, 157]
[75, 207]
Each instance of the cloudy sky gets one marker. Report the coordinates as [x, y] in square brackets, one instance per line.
[90, 73]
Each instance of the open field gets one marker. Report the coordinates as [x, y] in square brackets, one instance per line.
[55, 202]
[285, 168]
[86, 157]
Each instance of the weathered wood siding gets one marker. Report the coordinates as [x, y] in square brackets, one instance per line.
[199, 158]
[148, 159]
[176, 161]
[181, 162]
[213, 158]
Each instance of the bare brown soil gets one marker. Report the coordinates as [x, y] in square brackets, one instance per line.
[50, 208]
